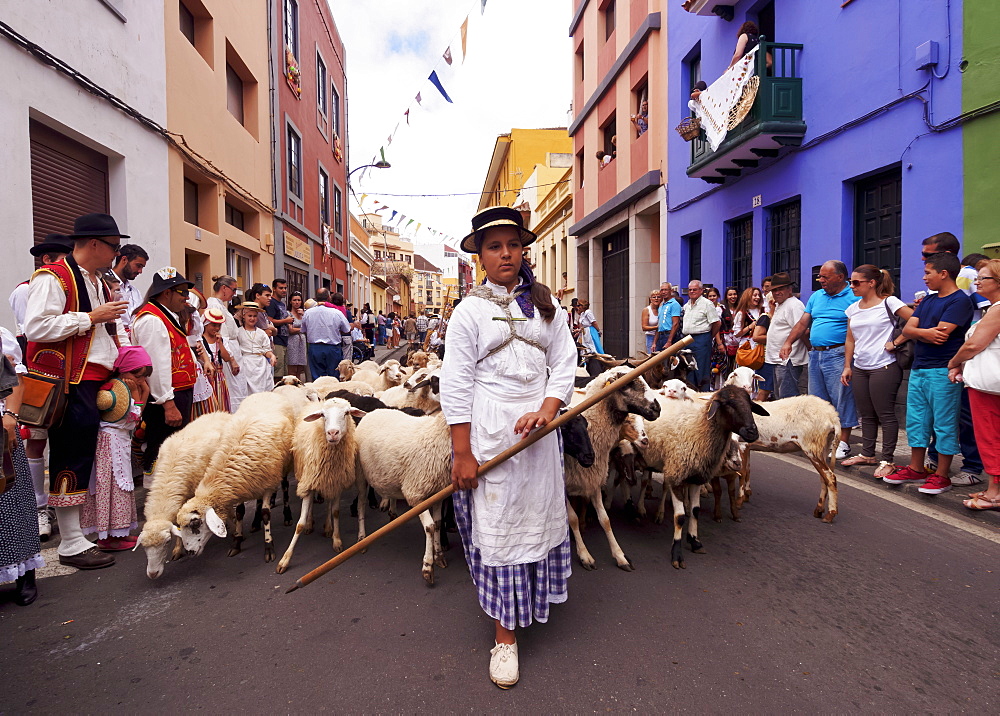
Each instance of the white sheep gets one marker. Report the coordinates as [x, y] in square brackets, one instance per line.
[367, 365]
[802, 423]
[412, 468]
[688, 445]
[422, 390]
[388, 375]
[298, 395]
[743, 377]
[604, 426]
[346, 369]
[328, 384]
[249, 464]
[183, 459]
[675, 389]
[324, 450]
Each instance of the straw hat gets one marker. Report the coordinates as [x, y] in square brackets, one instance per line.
[214, 315]
[495, 216]
[113, 400]
[250, 306]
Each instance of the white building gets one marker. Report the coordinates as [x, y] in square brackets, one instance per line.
[68, 151]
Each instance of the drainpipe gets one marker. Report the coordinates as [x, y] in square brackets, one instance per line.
[273, 103]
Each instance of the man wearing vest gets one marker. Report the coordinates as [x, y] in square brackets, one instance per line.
[157, 327]
[69, 324]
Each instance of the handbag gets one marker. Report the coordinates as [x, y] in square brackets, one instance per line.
[750, 355]
[903, 352]
[982, 371]
[9, 473]
[43, 401]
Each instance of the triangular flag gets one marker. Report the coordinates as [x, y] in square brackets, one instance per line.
[465, 35]
[394, 212]
[418, 228]
[418, 98]
[483, 8]
[381, 151]
[407, 115]
[433, 77]
[390, 140]
[409, 222]
[447, 55]
[399, 223]
[362, 199]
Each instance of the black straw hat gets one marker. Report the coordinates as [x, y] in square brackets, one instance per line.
[52, 244]
[495, 216]
[166, 278]
[92, 226]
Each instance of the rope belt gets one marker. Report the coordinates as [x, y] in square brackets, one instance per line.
[485, 293]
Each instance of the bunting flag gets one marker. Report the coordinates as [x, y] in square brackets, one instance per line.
[433, 77]
[408, 223]
[483, 9]
[362, 199]
[417, 230]
[394, 212]
[447, 55]
[418, 98]
[407, 115]
[465, 35]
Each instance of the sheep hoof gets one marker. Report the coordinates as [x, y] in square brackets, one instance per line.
[328, 533]
[830, 516]
[627, 566]
[429, 577]
[440, 561]
[287, 514]
[736, 518]
[678, 565]
[818, 512]
[281, 568]
[659, 518]
[717, 518]
[392, 515]
[591, 565]
[268, 553]
[233, 551]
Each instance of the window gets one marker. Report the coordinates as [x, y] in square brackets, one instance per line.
[294, 163]
[186, 23]
[324, 197]
[297, 281]
[610, 132]
[691, 246]
[234, 217]
[609, 20]
[690, 77]
[335, 108]
[238, 266]
[190, 202]
[234, 93]
[579, 64]
[338, 210]
[580, 165]
[292, 27]
[321, 85]
[739, 253]
[783, 234]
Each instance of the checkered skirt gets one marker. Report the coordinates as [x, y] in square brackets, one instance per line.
[514, 594]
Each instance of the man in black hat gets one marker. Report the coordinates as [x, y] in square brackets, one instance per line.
[158, 327]
[50, 250]
[69, 324]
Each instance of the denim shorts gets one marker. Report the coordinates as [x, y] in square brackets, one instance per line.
[766, 372]
[932, 406]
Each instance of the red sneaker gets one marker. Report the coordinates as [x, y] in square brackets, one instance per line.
[116, 544]
[905, 474]
[935, 485]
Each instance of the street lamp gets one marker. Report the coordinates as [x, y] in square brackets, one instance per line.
[380, 164]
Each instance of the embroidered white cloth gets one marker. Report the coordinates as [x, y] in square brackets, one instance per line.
[714, 103]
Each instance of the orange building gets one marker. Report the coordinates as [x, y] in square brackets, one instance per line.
[619, 204]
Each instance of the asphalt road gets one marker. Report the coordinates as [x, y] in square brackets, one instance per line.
[888, 609]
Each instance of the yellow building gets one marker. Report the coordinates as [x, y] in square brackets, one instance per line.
[515, 156]
[393, 263]
[548, 194]
[429, 287]
[221, 219]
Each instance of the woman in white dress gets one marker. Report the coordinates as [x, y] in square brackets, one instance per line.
[508, 369]
[225, 289]
[258, 359]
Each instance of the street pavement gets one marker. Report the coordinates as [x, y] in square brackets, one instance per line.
[890, 609]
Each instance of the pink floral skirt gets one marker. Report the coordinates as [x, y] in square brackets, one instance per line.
[110, 507]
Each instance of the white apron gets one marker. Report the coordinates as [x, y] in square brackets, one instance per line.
[237, 384]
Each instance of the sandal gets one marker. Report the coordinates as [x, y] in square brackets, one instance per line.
[858, 460]
[884, 468]
[973, 504]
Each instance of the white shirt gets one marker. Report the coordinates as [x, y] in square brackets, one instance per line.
[652, 318]
[131, 294]
[19, 304]
[872, 329]
[13, 349]
[45, 322]
[150, 332]
[229, 326]
[699, 316]
[786, 315]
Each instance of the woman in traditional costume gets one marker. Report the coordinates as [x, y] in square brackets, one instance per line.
[508, 369]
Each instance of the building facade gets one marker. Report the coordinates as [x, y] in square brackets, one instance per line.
[845, 154]
[67, 150]
[219, 172]
[618, 221]
[393, 264]
[309, 126]
[359, 285]
[549, 195]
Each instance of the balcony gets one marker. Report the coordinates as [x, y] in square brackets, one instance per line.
[772, 126]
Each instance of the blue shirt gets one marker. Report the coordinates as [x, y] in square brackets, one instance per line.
[829, 316]
[955, 308]
[666, 313]
[322, 324]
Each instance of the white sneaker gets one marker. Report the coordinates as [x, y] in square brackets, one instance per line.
[843, 450]
[44, 524]
[966, 479]
[503, 665]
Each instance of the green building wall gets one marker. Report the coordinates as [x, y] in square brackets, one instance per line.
[981, 137]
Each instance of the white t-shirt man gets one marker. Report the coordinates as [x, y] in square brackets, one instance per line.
[786, 315]
[872, 329]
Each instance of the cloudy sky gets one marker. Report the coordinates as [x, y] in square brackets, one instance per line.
[517, 74]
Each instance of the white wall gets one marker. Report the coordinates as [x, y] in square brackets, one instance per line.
[126, 59]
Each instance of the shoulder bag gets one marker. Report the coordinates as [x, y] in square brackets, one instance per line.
[982, 371]
[904, 352]
[750, 355]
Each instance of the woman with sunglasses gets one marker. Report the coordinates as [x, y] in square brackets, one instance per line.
[977, 363]
[870, 365]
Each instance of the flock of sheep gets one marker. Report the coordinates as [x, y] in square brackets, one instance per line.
[381, 427]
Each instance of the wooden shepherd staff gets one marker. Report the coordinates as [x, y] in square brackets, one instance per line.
[490, 464]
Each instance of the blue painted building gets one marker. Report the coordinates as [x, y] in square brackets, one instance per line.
[843, 154]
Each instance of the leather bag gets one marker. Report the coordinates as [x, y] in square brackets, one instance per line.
[43, 401]
[904, 352]
[750, 355]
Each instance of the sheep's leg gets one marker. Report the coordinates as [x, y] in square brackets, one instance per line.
[258, 517]
[392, 509]
[662, 510]
[286, 507]
[179, 550]
[362, 486]
[241, 511]
[647, 477]
[427, 568]
[265, 517]
[439, 560]
[338, 544]
[745, 490]
[677, 501]
[717, 494]
[734, 508]
[694, 504]
[305, 518]
[328, 525]
[828, 490]
[586, 559]
[616, 550]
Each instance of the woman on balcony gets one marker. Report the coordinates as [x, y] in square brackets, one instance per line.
[747, 38]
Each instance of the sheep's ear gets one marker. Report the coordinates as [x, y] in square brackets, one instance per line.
[138, 541]
[357, 412]
[383, 369]
[713, 408]
[674, 362]
[174, 531]
[758, 409]
[215, 523]
[315, 415]
[758, 377]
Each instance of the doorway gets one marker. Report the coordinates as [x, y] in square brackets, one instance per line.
[878, 222]
[615, 322]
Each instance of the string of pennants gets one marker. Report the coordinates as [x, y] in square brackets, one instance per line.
[378, 207]
[435, 79]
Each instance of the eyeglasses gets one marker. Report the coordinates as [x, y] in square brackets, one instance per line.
[857, 283]
[181, 292]
[108, 243]
[986, 278]
[928, 254]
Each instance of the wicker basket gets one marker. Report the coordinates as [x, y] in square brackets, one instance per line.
[689, 128]
[742, 108]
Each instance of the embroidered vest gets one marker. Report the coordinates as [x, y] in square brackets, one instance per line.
[51, 359]
[183, 372]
